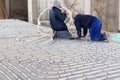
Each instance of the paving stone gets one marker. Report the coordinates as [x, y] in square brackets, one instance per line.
[27, 54]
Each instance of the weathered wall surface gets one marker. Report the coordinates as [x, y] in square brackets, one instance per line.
[107, 11]
[43, 4]
[3, 14]
[18, 9]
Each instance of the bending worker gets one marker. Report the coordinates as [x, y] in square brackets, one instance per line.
[92, 23]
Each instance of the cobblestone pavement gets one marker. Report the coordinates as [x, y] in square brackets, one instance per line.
[57, 60]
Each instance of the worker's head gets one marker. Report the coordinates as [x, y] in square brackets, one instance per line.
[74, 14]
[57, 4]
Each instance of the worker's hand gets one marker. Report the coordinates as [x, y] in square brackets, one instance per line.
[65, 11]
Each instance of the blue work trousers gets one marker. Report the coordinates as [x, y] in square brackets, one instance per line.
[95, 30]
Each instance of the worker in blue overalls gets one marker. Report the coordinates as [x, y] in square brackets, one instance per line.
[57, 18]
[92, 23]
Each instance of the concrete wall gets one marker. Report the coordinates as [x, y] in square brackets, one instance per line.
[119, 15]
[75, 5]
[43, 4]
[87, 6]
[2, 10]
[18, 9]
[32, 11]
[107, 11]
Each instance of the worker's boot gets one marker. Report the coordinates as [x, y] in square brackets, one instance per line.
[107, 36]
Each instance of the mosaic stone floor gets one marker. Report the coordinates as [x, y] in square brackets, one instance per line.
[25, 54]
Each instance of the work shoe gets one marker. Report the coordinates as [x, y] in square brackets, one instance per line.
[107, 36]
[54, 34]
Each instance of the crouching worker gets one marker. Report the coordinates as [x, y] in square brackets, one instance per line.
[57, 18]
[89, 22]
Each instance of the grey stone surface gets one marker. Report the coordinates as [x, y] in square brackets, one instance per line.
[61, 59]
